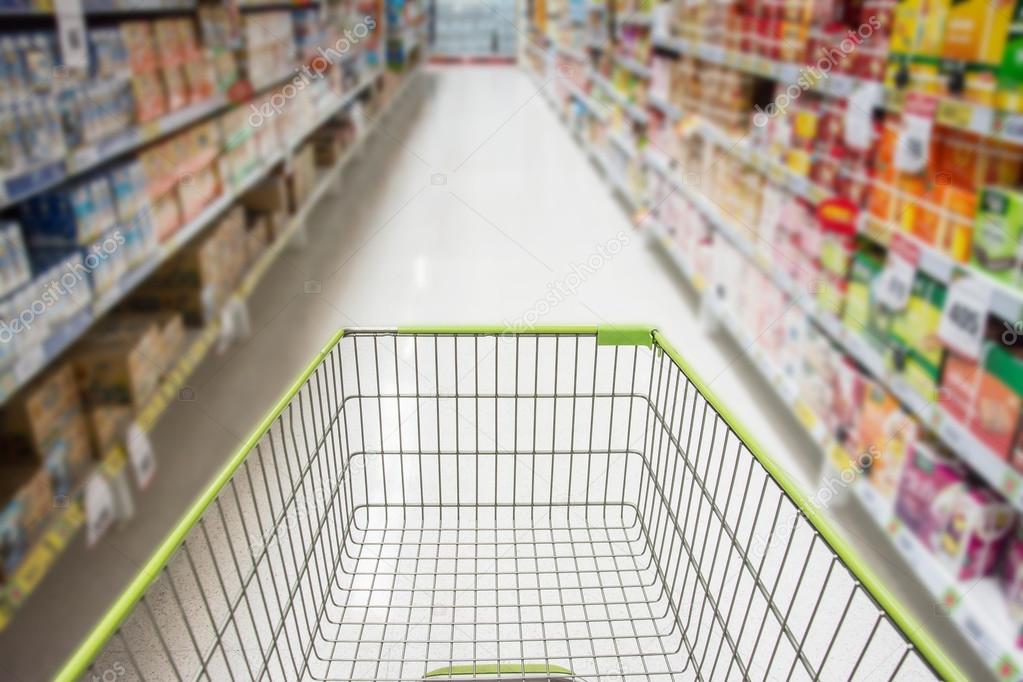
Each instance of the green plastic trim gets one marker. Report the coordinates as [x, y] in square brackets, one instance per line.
[501, 669]
[76, 666]
[912, 628]
[625, 335]
[499, 330]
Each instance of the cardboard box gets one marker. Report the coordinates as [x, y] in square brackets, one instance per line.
[303, 176]
[257, 236]
[198, 280]
[69, 455]
[35, 413]
[270, 195]
[998, 232]
[27, 485]
[107, 425]
[118, 363]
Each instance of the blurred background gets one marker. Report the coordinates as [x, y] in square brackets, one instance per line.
[820, 202]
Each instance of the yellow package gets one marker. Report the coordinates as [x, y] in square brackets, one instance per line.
[977, 30]
[906, 27]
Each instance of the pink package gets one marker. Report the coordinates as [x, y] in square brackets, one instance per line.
[974, 532]
[1012, 579]
[930, 482]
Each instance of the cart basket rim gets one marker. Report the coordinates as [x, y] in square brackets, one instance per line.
[606, 335]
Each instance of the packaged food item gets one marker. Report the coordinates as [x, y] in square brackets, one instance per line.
[37, 411]
[976, 525]
[886, 433]
[117, 363]
[977, 30]
[998, 234]
[931, 481]
[107, 424]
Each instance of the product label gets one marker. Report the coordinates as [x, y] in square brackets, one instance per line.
[964, 317]
[99, 508]
[141, 455]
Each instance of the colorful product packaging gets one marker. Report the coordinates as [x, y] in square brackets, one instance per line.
[998, 234]
[931, 481]
[976, 525]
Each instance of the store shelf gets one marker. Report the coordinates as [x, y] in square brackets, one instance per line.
[663, 236]
[59, 531]
[595, 108]
[641, 70]
[45, 175]
[634, 112]
[635, 19]
[572, 53]
[24, 369]
[987, 464]
[836, 84]
[1006, 303]
[976, 607]
[662, 105]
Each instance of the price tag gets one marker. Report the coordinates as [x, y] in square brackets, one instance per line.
[99, 508]
[74, 50]
[858, 126]
[895, 284]
[964, 317]
[914, 145]
[141, 455]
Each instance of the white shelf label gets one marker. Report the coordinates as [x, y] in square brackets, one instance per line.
[914, 144]
[99, 508]
[74, 50]
[964, 318]
[141, 455]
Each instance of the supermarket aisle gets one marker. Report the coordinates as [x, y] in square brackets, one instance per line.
[471, 205]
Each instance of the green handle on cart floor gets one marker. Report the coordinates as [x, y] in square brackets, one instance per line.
[528, 671]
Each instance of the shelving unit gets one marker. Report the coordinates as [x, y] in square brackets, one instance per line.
[977, 608]
[67, 522]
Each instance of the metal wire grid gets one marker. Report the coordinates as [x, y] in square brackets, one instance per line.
[433, 500]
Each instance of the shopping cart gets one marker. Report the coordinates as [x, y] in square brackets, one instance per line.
[469, 504]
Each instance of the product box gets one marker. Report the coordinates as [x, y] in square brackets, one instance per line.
[26, 485]
[303, 176]
[976, 30]
[35, 413]
[74, 215]
[915, 352]
[931, 480]
[1012, 578]
[1000, 399]
[998, 234]
[200, 277]
[976, 526]
[117, 363]
[69, 455]
[885, 435]
[107, 424]
[257, 235]
[270, 195]
[25, 502]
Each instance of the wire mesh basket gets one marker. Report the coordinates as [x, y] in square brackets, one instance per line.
[563, 504]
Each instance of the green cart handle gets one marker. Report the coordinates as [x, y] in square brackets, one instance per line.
[489, 672]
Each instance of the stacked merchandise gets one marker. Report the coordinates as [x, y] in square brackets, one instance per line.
[844, 182]
[406, 25]
[184, 166]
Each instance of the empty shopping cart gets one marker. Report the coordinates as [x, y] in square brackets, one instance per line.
[479, 504]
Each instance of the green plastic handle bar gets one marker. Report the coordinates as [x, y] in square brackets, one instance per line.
[503, 669]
